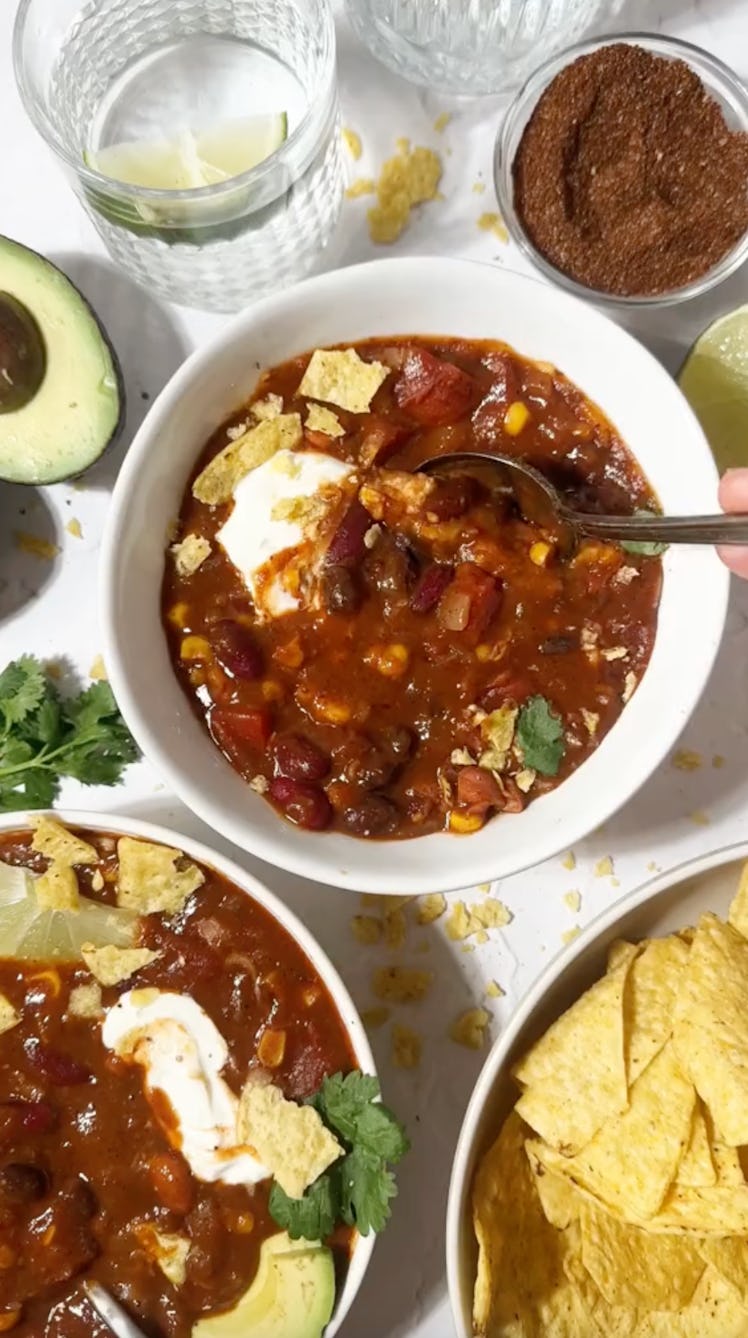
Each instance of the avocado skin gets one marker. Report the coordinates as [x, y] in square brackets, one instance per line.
[118, 428]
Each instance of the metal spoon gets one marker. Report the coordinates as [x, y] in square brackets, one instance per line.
[540, 504]
[111, 1312]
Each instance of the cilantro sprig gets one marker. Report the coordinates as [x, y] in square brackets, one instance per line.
[644, 547]
[540, 735]
[357, 1188]
[44, 736]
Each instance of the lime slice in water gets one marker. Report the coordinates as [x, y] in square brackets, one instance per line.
[714, 380]
[27, 930]
[189, 161]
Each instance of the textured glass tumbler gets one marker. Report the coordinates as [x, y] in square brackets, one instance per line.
[471, 48]
[105, 71]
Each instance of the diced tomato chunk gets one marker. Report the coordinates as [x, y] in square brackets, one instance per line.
[505, 688]
[477, 791]
[470, 602]
[432, 391]
[380, 438]
[250, 726]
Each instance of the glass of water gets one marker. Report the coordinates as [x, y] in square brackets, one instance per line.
[201, 137]
[470, 48]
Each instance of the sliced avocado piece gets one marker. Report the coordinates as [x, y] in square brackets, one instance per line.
[292, 1295]
[62, 397]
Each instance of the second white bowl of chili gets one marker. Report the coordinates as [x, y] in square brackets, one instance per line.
[361, 656]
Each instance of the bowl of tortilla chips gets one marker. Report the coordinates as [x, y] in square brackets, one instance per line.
[600, 1184]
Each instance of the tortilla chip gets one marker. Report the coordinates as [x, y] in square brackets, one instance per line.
[632, 1160]
[721, 1210]
[149, 882]
[469, 1028]
[85, 1001]
[696, 1166]
[190, 554]
[649, 1001]
[729, 1256]
[290, 1140]
[602, 1319]
[619, 951]
[57, 889]
[167, 1249]
[8, 1016]
[716, 1311]
[711, 1025]
[737, 915]
[271, 406]
[218, 480]
[339, 376]
[575, 1075]
[633, 1268]
[110, 965]
[58, 844]
[431, 907]
[727, 1164]
[319, 419]
[401, 984]
[559, 1197]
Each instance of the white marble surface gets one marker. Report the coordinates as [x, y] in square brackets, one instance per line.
[50, 609]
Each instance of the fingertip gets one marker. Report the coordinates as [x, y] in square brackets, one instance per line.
[733, 490]
[735, 559]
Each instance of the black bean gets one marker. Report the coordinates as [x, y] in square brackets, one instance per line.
[22, 1182]
[339, 589]
[373, 816]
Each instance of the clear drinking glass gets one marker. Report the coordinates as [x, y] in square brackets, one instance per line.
[111, 71]
[472, 47]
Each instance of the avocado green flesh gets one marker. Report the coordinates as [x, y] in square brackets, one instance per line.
[78, 407]
[292, 1295]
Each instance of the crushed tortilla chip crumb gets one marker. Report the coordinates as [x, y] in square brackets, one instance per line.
[55, 842]
[168, 1251]
[216, 483]
[339, 376]
[8, 1016]
[85, 1001]
[401, 984]
[431, 907]
[319, 419]
[468, 921]
[569, 861]
[149, 880]
[361, 186]
[270, 406]
[352, 142]
[260, 784]
[629, 686]
[366, 929]
[685, 759]
[718, 761]
[189, 554]
[110, 965]
[375, 1017]
[573, 900]
[653, 867]
[494, 991]
[479, 187]
[700, 818]
[98, 670]
[34, 546]
[604, 867]
[484, 888]
[290, 1140]
[469, 1028]
[495, 224]
[395, 928]
[57, 888]
[411, 177]
[74, 527]
[406, 1047]
[569, 935]
[442, 121]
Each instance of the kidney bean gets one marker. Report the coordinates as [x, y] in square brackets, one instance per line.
[299, 758]
[339, 589]
[432, 391]
[503, 689]
[398, 740]
[60, 1069]
[26, 1117]
[372, 816]
[172, 1182]
[79, 1198]
[236, 650]
[21, 1182]
[347, 543]
[478, 790]
[430, 588]
[302, 802]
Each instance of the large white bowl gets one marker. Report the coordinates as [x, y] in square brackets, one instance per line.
[666, 903]
[428, 296]
[148, 831]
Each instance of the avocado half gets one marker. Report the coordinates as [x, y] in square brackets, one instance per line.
[292, 1296]
[62, 398]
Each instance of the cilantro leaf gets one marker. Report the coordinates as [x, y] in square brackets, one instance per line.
[643, 547]
[22, 688]
[380, 1134]
[366, 1189]
[314, 1215]
[342, 1098]
[540, 735]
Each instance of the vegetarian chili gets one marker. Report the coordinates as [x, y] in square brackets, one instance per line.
[86, 1168]
[427, 658]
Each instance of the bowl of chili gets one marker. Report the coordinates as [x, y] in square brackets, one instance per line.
[608, 192]
[423, 665]
[164, 1021]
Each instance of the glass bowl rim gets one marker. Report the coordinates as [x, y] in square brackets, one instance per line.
[724, 79]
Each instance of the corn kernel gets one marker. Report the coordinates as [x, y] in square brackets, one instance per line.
[271, 1048]
[8, 1257]
[290, 654]
[516, 417]
[309, 995]
[195, 648]
[539, 553]
[271, 691]
[335, 713]
[196, 675]
[240, 1223]
[391, 661]
[464, 822]
[9, 1318]
[178, 614]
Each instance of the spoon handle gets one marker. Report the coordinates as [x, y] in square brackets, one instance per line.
[665, 529]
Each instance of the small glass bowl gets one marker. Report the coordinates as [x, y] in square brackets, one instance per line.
[724, 85]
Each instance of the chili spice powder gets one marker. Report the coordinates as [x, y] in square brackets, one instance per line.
[627, 177]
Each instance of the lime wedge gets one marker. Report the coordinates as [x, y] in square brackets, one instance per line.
[27, 930]
[714, 380]
[189, 161]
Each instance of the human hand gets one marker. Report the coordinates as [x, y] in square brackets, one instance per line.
[733, 496]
